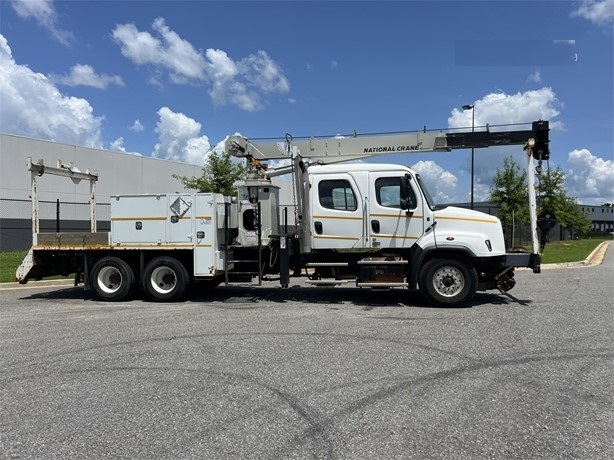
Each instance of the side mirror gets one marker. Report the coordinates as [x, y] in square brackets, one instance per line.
[405, 193]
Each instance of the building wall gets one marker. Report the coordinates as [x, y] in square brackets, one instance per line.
[602, 216]
[118, 173]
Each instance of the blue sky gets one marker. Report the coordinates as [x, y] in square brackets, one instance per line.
[172, 79]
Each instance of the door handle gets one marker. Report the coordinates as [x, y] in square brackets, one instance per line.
[375, 226]
[318, 227]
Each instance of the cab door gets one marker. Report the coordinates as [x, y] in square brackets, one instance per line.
[338, 213]
[391, 223]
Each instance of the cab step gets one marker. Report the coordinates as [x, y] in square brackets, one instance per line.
[327, 282]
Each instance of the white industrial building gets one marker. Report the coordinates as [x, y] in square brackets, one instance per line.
[118, 173]
[63, 205]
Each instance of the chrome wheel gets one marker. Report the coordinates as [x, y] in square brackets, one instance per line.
[448, 281]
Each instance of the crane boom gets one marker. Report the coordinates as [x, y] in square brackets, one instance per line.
[338, 149]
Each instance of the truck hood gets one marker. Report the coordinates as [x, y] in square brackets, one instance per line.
[479, 233]
[463, 214]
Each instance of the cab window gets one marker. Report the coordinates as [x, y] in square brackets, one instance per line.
[337, 194]
[388, 193]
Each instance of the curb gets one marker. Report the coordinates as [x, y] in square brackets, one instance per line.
[594, 258]
[37, 284]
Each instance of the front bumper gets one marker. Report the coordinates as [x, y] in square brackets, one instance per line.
[524, 259]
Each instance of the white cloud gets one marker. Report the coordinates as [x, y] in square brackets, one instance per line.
[32, 106]
[441, 183]
[535, 77]
[221, 145]
[264, 73]
[169, 51]
[44, 13]
[137, 126]
[589, 178]
[219, 66]
[118, 145]
[600, 12]
[501, 108]
[222, 71]
[84, 75]
[242, 83]
[180, 138]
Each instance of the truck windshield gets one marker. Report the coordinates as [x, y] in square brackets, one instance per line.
[429, 199]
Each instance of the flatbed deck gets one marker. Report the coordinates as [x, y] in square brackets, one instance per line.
[72, 240]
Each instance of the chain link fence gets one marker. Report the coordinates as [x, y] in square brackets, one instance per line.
[54, 216]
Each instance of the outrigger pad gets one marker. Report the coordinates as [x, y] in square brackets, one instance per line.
[546, 220]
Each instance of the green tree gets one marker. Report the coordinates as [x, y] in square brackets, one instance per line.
[551, 189]
[219, 175]
[510, 193]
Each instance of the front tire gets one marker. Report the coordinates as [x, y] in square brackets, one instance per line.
[165, 279]
[448, 282]
[112, 279]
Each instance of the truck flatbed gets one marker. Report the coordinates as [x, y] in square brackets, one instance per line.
[72, 240]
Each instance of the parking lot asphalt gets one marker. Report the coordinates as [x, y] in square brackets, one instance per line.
[247, 372]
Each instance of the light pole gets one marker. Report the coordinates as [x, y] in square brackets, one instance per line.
[471, 107]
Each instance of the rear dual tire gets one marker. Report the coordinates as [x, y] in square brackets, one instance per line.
[165, 279]
[112, 279]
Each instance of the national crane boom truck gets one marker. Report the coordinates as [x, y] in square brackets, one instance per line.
[374, 225]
